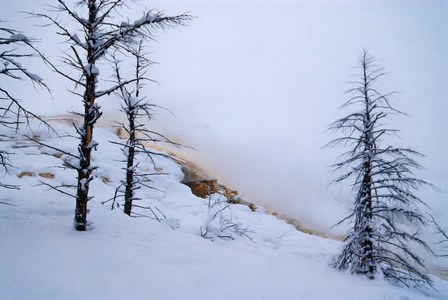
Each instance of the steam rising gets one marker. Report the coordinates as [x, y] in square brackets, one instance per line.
[253, 85]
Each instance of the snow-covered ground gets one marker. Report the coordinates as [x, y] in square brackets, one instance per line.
[252, 75]
[43, 257]
[253, 85]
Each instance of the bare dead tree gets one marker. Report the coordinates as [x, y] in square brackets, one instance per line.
[385, 215]
[138, 113]
[96, 33]
[15, 46]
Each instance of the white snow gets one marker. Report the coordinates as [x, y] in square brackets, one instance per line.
[132, 101]
[238, 82]
[14, 62]
[35, 77]
[43, 257]
[18, 37]
[92, 69]
[253, 96]
[78, 41]
[92, 144]
[148, 17]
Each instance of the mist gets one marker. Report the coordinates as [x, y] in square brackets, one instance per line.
[253, 85]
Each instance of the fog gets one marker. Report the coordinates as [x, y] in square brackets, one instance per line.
[253, 85]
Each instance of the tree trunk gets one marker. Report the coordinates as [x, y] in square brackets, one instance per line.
[129, 192]
[368, 265]
[91, 114]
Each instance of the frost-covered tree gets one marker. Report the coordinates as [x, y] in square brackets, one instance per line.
[385, 215]
[97, 31]
[15, 47]
[138, 111]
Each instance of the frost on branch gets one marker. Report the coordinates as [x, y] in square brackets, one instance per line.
[138, 112]
[101, 34]
[18, 37]
[92, 30]
[92, 70]
[149, 17]
[14, 47]
[386, 215]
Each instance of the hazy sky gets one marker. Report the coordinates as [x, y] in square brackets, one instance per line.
[254, 84]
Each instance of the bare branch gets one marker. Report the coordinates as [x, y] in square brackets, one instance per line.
[383, 186]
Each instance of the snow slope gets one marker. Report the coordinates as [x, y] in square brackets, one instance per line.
[42, 257]
[264, 74]
[253, 85]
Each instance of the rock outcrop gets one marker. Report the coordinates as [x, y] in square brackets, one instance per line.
[202, 187]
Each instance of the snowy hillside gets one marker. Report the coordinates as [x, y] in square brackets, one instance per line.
[251, 85]
[270, 75]
[257, 257]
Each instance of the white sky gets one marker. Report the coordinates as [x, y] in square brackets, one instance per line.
[253, 85]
